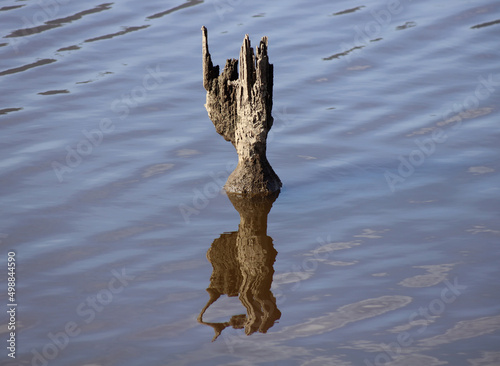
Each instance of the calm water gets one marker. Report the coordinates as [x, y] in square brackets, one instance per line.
[382, 248]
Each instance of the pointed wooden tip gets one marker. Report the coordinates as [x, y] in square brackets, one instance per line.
[204, 34]
[263, 45]
[246, 41]
[204, 40]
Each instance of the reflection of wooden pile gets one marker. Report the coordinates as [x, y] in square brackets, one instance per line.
[226, 275]
[239, 105]
[243, 264]
[256, 256]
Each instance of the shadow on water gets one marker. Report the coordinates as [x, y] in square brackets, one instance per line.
[242, 264]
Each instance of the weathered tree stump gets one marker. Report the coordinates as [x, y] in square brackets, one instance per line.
[239, 105]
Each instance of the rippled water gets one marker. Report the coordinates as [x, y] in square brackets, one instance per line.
[386, 230]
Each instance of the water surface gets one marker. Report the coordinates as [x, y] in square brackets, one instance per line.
[386, 230]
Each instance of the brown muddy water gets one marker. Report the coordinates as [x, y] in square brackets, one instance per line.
[381, 249]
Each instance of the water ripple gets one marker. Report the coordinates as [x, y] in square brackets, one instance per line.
[38, 63]
[57, 22]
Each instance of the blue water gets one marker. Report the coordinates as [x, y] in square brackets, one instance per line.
[385, 138]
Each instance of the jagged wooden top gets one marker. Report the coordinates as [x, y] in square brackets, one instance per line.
[239, 103]
[229, 93]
